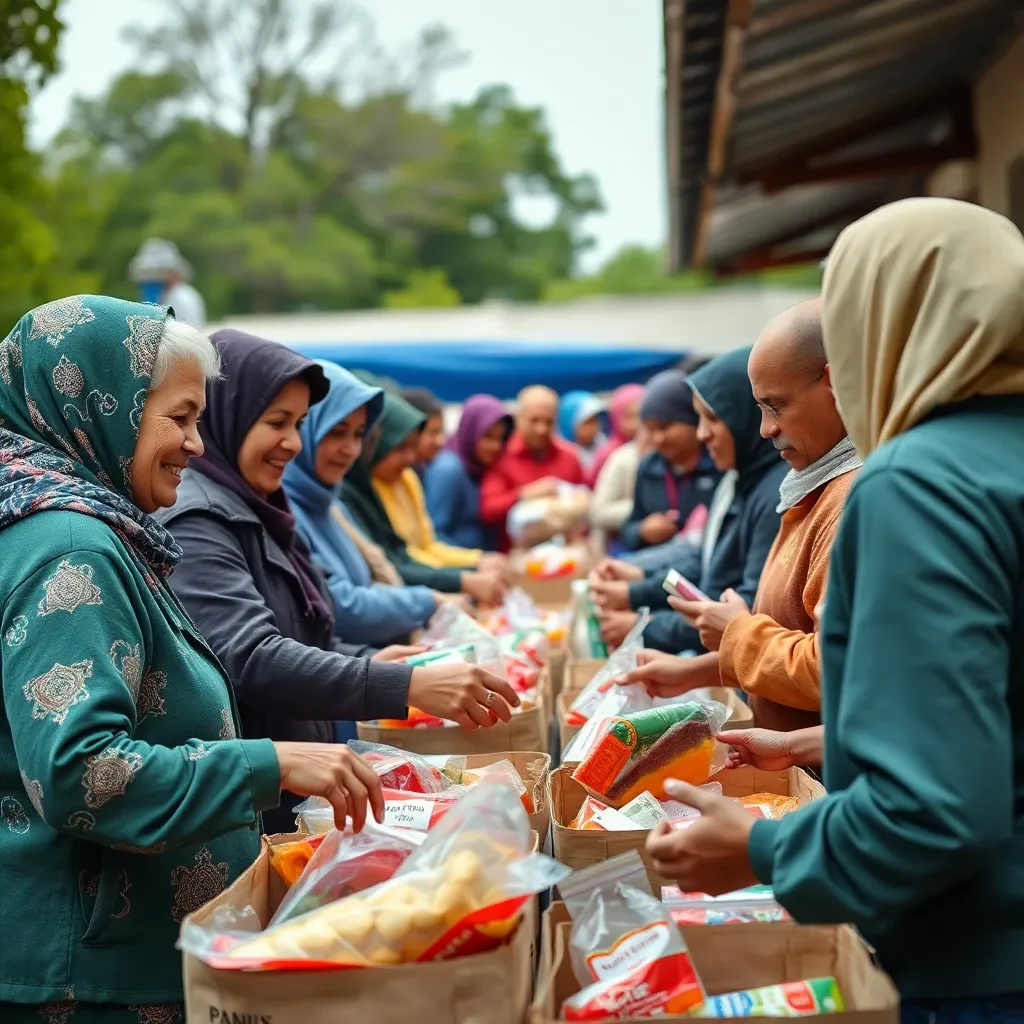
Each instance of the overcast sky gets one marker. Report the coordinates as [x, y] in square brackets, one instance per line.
[595, 65]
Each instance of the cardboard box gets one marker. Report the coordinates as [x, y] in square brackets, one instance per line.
[556, 592]
[527, 731]
[577, 848]
[494, 987]
[730, 958]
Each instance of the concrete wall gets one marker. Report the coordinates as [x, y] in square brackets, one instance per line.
[999, 113]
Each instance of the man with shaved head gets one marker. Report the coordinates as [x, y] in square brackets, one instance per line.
[533, 463]
[772, 652]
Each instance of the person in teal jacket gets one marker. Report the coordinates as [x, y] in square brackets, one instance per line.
[920, 842]
[126, 799]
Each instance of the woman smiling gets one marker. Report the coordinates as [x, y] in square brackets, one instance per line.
[332, 441]
[250, 584]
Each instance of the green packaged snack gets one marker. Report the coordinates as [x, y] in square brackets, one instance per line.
[794, 999]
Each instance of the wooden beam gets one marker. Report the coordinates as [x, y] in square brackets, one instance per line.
[924, 158]
[854, 131]
[851, 55]
[815, 167]
[803, 10]
[766, 259]
[860, 128]
[737, 19]
[675, 11]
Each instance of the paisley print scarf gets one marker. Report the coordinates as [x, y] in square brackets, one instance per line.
[74, 374]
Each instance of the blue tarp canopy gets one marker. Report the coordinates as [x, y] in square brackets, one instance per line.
[454, 370]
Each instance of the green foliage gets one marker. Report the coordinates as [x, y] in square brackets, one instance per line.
[425, 288]
[633, 270]
[28, 245]
[247, 137]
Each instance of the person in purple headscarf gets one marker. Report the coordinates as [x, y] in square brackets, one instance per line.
[452, 481]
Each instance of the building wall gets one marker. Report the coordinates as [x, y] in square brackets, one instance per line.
[999, 114]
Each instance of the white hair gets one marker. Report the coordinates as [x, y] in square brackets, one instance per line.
[181, 342]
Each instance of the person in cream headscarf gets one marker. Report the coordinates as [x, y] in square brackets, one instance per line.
[920, 842]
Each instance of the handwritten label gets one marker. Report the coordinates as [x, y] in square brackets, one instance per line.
[641, 946]
[413, 814]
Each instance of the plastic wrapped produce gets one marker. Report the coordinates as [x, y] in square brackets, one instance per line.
[628, 955]
[641, 751]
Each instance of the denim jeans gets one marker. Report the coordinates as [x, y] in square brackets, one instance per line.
[995, 1010]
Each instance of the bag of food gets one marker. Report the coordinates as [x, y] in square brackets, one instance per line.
[484, 652]
[398, 769]
[506, 771]
[594, 816]
[792, 999]
[550, 561]
[770, 805]
[626, 952]
[647, 812]
[345, 863]
[591, 699]
[462, 892]
[450, 626]
[530, 523]
[289, 860]
[639, 752]
[745, 906]
[587, 641]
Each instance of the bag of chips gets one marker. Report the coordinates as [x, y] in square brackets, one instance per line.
[640, 751]
[628, 955]
[462, 892]
[344, 863]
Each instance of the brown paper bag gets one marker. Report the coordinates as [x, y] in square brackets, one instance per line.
[731, 958]
[493, 987]
[577, 848]
[528, 730]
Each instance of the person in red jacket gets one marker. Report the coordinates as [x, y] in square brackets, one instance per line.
[533, 464]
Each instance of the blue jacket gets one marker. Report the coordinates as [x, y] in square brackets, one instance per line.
[651, 494]
[751, 523]
[453, 501]
[363, 610]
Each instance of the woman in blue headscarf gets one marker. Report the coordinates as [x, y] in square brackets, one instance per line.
[579, 422]
[332, 440]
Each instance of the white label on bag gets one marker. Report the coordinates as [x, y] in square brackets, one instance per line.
[639, 947]
[612, 820]
[409, 813]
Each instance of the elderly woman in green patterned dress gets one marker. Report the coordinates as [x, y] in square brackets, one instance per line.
[126, 802]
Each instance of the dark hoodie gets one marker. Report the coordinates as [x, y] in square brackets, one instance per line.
[398, 420]
[752, 521]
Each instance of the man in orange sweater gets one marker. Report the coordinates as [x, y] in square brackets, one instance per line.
[771, 652]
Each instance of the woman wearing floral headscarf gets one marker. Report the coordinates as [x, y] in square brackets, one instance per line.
[920, 842]
[126, 802]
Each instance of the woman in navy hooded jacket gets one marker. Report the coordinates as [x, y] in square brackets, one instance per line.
[373, 613]
[742, 519]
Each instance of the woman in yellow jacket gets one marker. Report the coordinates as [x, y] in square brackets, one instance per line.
[401, 494]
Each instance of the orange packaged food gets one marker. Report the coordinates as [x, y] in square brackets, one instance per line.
[641, 751]
[771, 805]
[289, 860]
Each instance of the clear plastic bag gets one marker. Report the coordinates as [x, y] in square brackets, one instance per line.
[628, 955]
[621, 661]
[345, 863]
[450, 626]
[398, 769]
[462, 892]
[745, 906]
[639, 751]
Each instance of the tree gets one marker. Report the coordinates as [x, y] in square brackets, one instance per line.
[292, 177]
[28, 53]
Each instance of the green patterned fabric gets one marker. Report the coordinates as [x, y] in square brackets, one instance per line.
[75, 375]
[126, 802]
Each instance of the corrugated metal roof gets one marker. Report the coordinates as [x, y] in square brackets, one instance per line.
[810, 71]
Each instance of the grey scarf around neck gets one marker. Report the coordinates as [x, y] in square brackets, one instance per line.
[797, 484]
